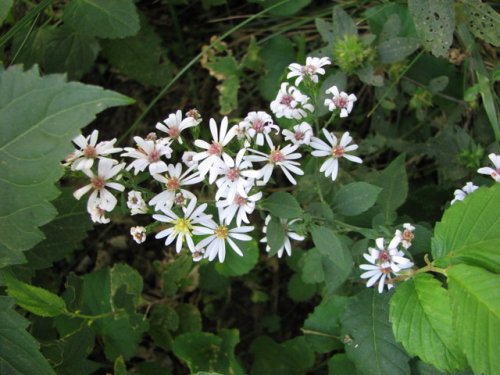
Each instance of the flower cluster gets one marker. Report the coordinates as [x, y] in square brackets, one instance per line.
[234, 164]
[387, 261]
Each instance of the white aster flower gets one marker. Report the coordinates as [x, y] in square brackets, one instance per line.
[241, 133]
[174, 124]
[291, 103]
[218, 235]
[334, 151]
[460, 194]
[148, 154]
[237, 177]
[173, 181]
[283, 158]
[97, 215]
[198, 255]
[406, 236]
[383, 263]
[313, 67]
[239, 206]
[340, 101]
[214, 151]
[135, 203]
[138, 234]
[90, 150]
[106, 170]
[258, 125]
[301, 134]
[289, 235]
[188, 158]
[493, 172]
[182, 227]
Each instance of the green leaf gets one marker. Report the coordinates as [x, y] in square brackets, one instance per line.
[342, 23]
[275, 235]
[340, 364]
[32, 144]
[312, 270]
[141, 57]
[283, 205]
[421, 320]
[276, 54]
[367, 75]
[339, 262]
[299, 291]
[394, 182]
[226, 70]
[235, 265]
[287, 9]
[435, 24]
[5, 9]
[483, 20]
[470, 231]
[163, 320]
[62, 235]
[355, 198]
[370, 343]
[438, 84]
[322, 326]
[103, 18]
[396, 49]
[119, 367]
[378, 15]
[190, 318]
[475, 304]
[19, 351]
[292, 357]
[175, 273]
[207, 352]
[34, 299]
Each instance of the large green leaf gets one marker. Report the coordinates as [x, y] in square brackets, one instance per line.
[394, 182]
[32, 144]
[370, 343]
[103, 18]
[396, 49]
[141, 57]
[5, 9]
[63, 234]
[34, 299]
[207, 352]
[283, 205]
[475, 304]
[483, 20]
[421, 319]
[19, 351]
[435, 23]
[470, 231]
[234, 265]
[355, 198]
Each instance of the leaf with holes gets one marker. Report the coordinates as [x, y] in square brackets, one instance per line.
[475, 305]
[32, 144]
[483, 20]
[435, 23]
[370, 343]
[470, 231]
[421, 320]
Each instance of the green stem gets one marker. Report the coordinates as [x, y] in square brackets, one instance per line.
[24, 21]
[190, 64]
[89, 317]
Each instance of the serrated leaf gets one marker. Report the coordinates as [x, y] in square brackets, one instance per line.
[470, 231]
[421, 320]
[370, 343]
[394, 182]
[283, 205]
[63, 234]
[235, 265]
[475, 304]
[355, 198]
[435, 24]
[339, 264]
[226, 70]
[141, 57]
[204, 351]
[37, 300]
[342, 23]
[103, 18]
[396, 49]
[19, 351]
[292, 357]
[32, 144]
[322, 326]
[483, 21]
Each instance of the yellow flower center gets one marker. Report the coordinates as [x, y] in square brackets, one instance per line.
[182, 225]
[222, 232]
